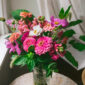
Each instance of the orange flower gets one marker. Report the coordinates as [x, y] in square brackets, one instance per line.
[14, 37]
[25, 14]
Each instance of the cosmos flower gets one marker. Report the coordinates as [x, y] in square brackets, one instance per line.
[37, 30]
[57, 22]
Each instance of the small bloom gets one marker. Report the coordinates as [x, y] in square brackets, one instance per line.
[64, 40]
[23, 28]
[17, 48]
[43, 45]
[48, 27]
[55, 57]
[57, 22]
[60, 34]
[25, 14]
[56, 47]
[25, 35]
[28, 42]
[13, 48]
[37, 30]
[14, 37]
[9, 22]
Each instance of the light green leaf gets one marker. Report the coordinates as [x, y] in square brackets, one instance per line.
[71, 59]
[20, 61]
[30, 55]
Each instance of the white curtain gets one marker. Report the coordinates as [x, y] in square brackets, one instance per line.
[3, 13]
[48, 8]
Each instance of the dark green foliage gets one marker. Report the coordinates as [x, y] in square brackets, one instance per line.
[61, 14]
[31, 48]
[73, 23]
[67, 11]
[77, 45]
[68, 33]
[64, 14]
[82, 37]
[70, 58]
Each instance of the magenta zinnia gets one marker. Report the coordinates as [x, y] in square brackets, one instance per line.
[43, 45]
[28, 42]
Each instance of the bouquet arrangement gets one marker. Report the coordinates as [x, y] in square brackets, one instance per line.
[37, 42]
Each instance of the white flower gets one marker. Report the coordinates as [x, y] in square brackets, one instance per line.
[37, 30]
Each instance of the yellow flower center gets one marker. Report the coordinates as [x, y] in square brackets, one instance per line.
[56, 22]
[40, 43]
[48, 24]
[35, 31]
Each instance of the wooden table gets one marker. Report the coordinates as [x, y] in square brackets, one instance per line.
[57, 79]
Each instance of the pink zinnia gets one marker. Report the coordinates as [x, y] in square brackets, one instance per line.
[43, 45]
[28, 42]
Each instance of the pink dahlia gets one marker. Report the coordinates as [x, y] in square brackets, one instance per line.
[43, 45]
[28, 42]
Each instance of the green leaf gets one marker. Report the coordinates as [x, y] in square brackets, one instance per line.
[31, 48]
[68, 33]
[16, 13]
[21, 60]
[61, 13]
[73, 23]
[48, 72]
[67, 11]
[30, 65]
[52, 64]
[30, 55]
[82, 37]
[71, 59]
[77, 45]
[13, 59]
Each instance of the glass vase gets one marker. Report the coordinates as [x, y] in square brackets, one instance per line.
[40, 76]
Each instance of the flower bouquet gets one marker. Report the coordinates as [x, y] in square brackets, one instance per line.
[39, 43]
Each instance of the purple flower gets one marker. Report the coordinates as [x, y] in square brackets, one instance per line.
[57, 22]
[9, 22]
[12, 47]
